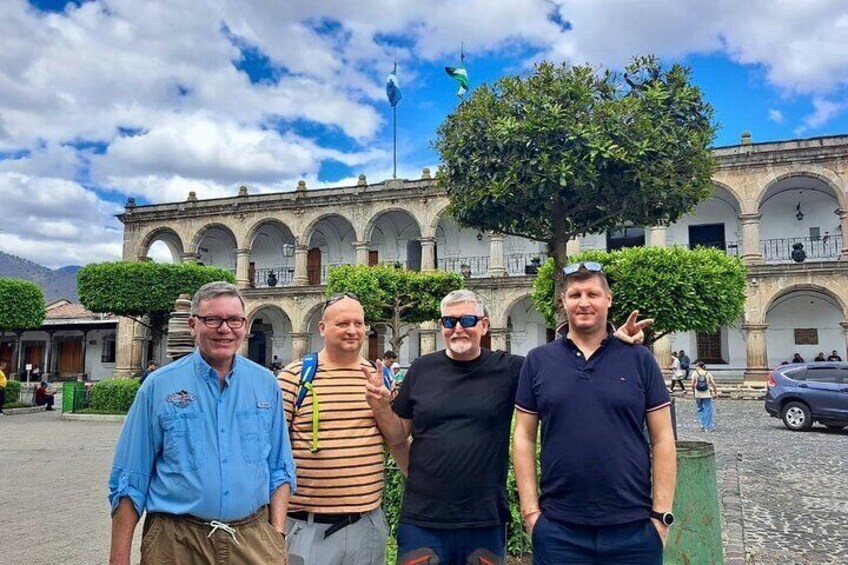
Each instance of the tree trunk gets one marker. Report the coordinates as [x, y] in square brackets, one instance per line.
[558, 248]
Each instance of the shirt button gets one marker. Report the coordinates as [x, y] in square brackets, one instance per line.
[579, 354]
[222, 430]
[226, 493]
[224, 460]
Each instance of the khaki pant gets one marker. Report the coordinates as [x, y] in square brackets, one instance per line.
[184, 540]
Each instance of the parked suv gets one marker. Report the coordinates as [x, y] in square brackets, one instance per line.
[802, 393]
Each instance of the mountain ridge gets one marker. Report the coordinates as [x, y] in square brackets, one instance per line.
[55, 283]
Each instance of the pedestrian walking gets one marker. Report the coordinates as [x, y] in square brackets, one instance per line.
[705, 391]
[204, 451]
[3, 383]
[676, 373]
[684, 363]
[609, 504]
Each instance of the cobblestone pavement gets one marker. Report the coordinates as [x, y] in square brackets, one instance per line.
[784, 494]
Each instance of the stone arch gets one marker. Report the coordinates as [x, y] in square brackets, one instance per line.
[309, 231]
[375, 218]
[803, 287]
[168, 236]
[526, 331]
[440, 213]
[736, 198]
[308, 315]
[824, 176]
[271, 338]
[199, 235]
[279, 312]
[258, 225]
[515, 300]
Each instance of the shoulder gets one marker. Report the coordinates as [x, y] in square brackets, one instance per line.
[435, 358]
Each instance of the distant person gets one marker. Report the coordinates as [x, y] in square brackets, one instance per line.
[834, 356]
[389, 363]
[36, 373]
[704, 389]
[3, 382]
[397, 374]
[797, 358]
[152, 365]
[820, 357]
[676, 373]
[43, 397]
[684, 363]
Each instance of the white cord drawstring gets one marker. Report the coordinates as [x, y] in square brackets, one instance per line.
[216, 525]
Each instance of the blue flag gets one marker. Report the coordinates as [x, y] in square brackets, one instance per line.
[392, 88]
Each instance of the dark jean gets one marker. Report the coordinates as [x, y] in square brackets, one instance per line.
[2, 399]
[453, 546]
[634, 543]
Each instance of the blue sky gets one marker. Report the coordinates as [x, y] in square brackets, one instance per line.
[106, 99]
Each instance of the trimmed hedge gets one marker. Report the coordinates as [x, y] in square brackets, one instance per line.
[13, 392]
[113, 395]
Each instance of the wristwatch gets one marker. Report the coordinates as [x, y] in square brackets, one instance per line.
[666, 518]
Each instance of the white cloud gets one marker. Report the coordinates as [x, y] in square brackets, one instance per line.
[823, 111]
[775, 116]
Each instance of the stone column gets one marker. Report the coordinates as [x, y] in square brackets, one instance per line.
[189, 257]
[658, 236]
[300, 276]
[300, 345]
[19, 352]
[497, 260]
[843, 223]
[139, 344]
[362, 249]
[751, 252]
[428, 254]
[83, 352]
[572, 248]
[498, 338]
[844, 325]
[50, 355]
[755, 341]
[662, 352]
[123, 345]
[427, 331]
[278, 344]
[243, 268]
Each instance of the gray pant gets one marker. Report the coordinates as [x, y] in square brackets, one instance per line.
[362, 543]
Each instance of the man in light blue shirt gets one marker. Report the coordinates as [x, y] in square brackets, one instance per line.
[204, 451]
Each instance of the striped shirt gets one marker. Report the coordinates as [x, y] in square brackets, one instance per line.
[346, 474]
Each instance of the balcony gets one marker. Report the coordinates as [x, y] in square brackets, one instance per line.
[800, 249]
[273, 276]
[468, 267]
[524, 263]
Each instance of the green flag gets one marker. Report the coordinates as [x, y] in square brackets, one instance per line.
[460, 75]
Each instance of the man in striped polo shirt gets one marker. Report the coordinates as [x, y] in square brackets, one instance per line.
[335, 518]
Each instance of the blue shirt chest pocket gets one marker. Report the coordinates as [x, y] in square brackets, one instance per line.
[254, 434]
[182, 441]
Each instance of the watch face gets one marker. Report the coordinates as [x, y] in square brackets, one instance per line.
[668, 518]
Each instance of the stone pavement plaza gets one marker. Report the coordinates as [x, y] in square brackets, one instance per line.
[785, 495]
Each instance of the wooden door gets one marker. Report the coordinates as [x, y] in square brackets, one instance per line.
[70, 358]
[313, 266]
[373, 345]
[486, 341]
[33, 355]
[373, 258]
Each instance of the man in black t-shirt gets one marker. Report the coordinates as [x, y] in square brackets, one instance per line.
[457, 404]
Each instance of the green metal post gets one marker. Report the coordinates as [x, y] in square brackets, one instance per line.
[695, 537]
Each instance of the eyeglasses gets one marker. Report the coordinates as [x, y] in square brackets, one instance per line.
[590, 266]
[466, 321]
[338, 296]
[215, 322]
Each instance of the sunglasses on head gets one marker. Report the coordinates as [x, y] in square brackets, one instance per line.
[590, 266]
[338, 296]
[466, 321]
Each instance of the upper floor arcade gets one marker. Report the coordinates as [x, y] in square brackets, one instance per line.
[781, 203]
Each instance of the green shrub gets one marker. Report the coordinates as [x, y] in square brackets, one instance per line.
[13, 392]
[113, 395]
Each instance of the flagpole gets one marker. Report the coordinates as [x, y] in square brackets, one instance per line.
[394, 142]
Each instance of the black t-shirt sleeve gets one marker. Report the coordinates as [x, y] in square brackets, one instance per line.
[402, 404]
[525, 398]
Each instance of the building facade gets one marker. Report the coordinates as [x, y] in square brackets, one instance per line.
[782, 207]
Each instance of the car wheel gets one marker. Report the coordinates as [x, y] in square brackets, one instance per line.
[796, 416]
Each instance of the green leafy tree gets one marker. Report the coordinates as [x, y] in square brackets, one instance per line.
[140, 290]
[571, 150]
[21, 305]
[393, 297]
[683, 290]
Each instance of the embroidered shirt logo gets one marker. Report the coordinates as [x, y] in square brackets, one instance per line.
[263, 405]
[181, 399]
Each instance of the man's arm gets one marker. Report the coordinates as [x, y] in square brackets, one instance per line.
[524, 461]
[664, 464]
[124, 521]
[279, 507]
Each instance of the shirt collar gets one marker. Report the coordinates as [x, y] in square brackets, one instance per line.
[563, 329]
[204, 369]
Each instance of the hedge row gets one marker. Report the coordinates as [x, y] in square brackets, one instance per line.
[113, 395]
[13, 392]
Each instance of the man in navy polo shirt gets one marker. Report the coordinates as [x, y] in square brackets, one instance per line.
[603, 501]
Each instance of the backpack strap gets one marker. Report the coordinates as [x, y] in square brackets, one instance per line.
[308, 369]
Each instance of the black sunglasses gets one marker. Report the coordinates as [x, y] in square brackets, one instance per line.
[590, 266]
[338, 296]
[466, 321]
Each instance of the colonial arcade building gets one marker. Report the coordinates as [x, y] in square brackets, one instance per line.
[782, 207]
